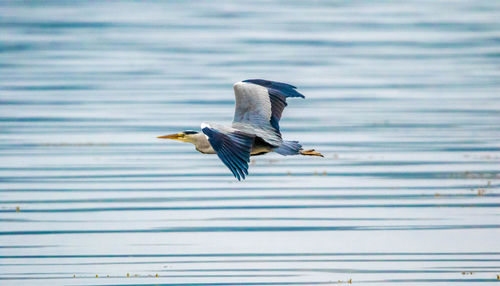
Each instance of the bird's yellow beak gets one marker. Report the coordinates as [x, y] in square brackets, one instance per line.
[171, 136]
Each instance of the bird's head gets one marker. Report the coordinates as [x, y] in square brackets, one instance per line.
[184, 136]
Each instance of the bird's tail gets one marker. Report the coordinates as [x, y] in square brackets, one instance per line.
[289, 148]
[295, 148]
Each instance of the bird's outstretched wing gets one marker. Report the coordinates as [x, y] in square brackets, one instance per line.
[259, 105]
[232, 146]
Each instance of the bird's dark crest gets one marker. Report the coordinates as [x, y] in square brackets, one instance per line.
[190, 132]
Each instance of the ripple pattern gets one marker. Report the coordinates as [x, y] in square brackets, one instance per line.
[403, 98]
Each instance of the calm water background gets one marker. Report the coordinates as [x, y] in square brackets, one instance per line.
[402, 98]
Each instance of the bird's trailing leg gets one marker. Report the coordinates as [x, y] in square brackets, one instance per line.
[310, 152]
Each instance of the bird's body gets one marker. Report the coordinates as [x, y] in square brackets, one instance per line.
[202, 145]
[255, 127]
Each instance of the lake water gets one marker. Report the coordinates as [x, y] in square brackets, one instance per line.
[403, 98]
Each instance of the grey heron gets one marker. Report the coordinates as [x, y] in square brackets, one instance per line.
[255, 128]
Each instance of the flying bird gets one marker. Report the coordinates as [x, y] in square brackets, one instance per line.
[255, 129]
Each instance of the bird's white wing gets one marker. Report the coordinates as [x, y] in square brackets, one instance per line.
[253, 104]
[259, 106]
[232, 146]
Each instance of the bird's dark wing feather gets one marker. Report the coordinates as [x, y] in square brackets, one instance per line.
[284, 89]
[233, 148]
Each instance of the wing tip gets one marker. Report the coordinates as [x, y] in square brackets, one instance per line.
[299, 94]
[267, 83]
[287, 89]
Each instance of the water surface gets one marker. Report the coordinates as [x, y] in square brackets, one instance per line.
[402, 98]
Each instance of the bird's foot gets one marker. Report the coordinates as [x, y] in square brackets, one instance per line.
[310, 153]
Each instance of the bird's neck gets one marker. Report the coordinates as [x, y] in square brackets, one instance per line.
[201, 143]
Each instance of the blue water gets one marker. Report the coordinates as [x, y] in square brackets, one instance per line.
[403, 98]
